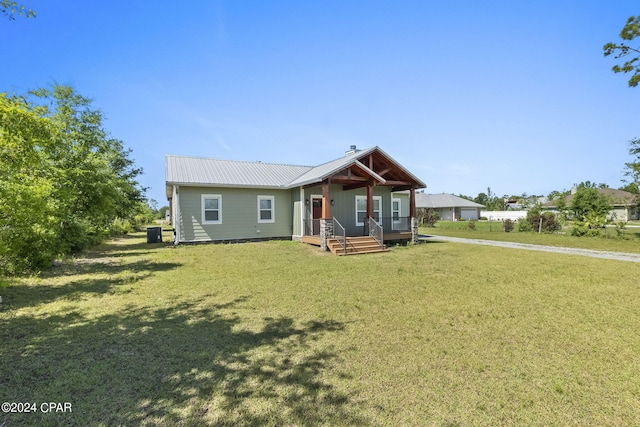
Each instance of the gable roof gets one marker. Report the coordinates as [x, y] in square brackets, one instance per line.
[318, 173]
[184, 170]
[435, 201]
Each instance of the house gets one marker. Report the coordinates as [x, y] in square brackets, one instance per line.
[625, 204]
[228, 200]
[448, 206]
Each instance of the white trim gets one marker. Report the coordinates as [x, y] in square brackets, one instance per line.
[176, 213]
[272, 199]
[311, 197]
[302, 211]
[202, 207]
[395, 223]
[378, 198]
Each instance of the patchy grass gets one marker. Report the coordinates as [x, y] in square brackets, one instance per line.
[277, 333]
[630, 243]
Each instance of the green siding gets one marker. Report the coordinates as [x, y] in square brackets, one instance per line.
[239, 214]
[344, 206]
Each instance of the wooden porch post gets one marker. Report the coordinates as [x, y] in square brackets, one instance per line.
[412, 203]
[412, 215]
[326, 201]
[369, 208]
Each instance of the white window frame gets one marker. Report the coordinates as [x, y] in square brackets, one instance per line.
[202, 201]
[272, 199]
[396, 222]
[379, 211]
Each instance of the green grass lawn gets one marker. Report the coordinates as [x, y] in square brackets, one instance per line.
[277, 333]
[493, 231]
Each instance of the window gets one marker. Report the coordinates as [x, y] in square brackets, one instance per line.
[266, 208]
[211, 209]
[361, 209]
[395, 209]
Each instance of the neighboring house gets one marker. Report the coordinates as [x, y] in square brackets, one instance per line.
[448, 206]
[227, 200]
[625, 204]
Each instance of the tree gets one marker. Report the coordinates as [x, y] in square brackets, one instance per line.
[64, 182]
[630, 31]
[588, 200]
[28, 220]
[11, 8]
[632, 169]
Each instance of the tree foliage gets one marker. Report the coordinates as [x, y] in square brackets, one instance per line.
[489, 200]
[539, 221]
[64, 182]
[631, 54]
[632, 169]
[587, 200]
[11, 8]
[428, 217]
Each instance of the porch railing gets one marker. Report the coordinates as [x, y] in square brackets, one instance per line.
[388, 224]
[340, 234]
[375, 231]
[311, 227]
[397, 224]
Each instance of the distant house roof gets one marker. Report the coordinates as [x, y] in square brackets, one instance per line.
[184, 170]
[618, 198]
[436, 201]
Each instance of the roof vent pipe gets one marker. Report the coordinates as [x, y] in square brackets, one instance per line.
[352, 150]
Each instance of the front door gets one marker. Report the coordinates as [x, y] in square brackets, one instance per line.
[316, 214]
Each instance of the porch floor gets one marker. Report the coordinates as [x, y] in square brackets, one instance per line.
[399, 235]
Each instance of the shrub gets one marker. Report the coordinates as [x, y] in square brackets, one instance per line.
[543, 221]
[620, 229]
[429, 217]
[507, 224]
[471, 225]
[524, 225]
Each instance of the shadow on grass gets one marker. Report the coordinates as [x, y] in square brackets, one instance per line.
[106, 277]
[180, 365]
[105, 269]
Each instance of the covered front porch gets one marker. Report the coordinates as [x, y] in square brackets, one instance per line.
[367, 196]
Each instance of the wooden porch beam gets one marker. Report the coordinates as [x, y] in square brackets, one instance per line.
[386, 171]
[348, 187]
[398, 183]
[341, 180]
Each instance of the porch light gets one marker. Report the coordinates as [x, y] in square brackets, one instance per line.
[306, 202]
[332, 202]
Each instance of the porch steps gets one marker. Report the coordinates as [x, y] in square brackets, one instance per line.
[356, 245]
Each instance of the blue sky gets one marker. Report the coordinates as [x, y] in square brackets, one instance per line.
[512, 95]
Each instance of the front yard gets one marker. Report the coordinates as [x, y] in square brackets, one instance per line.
[278, 333]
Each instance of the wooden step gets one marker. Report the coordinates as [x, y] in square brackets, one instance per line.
[356, 245]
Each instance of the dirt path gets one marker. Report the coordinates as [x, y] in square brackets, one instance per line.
[620, 256]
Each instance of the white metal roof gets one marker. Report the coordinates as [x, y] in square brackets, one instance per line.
[203, 171]
[185, 170]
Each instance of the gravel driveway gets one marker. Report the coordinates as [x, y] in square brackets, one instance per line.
[620, 256]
